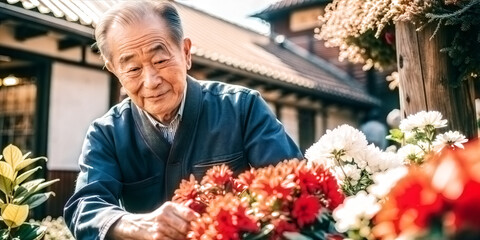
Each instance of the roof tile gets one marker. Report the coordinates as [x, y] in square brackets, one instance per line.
[219, 41]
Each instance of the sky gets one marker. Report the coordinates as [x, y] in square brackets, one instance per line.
[236, 11]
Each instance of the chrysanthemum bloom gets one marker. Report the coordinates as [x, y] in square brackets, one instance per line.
[244, 180]
[188, 190]
[449, 139]
[331, 194]
[228, 217]
[218, 175]
[305, 209]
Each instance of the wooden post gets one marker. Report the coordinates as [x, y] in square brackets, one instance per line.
[425, 74]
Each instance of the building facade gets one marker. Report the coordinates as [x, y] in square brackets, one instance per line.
[54, 84]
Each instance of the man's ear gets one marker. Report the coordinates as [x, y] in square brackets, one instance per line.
[109, 66]
[187, 45]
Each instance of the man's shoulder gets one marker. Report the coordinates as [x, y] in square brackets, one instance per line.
[220, 88]
[118, 111]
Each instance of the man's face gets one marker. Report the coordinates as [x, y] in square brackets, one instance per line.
[151, 66]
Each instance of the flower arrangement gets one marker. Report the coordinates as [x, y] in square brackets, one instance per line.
[367, 174]
[291, 200]
[364, 30]
[437, 201]
[20, 195]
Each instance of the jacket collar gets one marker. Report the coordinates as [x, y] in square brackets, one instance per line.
[173, 155]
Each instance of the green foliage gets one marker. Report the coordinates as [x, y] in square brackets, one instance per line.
[463, 19]
[18, 195]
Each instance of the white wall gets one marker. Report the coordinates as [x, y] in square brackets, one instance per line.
[319, 126]
[289, 118]
[337, 116]
[77, 96]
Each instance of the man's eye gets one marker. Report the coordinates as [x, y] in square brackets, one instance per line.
[160, 62]
[133, 69]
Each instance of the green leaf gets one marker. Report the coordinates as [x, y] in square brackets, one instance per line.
[396, 135]
[30, 231]
[4, 234]
[27, 162]
[37, 199]
[15, 215]
[6, 170]
[33, 187]
[20, 193]
[5, 185]
[45, 184]
[25, 175]
[32, 184]
[12, 155]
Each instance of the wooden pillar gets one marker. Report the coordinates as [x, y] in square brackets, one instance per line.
[426, 75]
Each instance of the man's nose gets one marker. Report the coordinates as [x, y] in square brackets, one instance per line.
[152, 78]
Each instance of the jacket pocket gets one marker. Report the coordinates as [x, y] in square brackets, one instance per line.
[143, 196]
[234, 161]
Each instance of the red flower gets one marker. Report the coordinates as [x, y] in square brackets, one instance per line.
[329, 187]
[308, 181]
[244, 180]
[390, 38]
[218, 175]
[281, 226]
[224, 221]
[466, 208]
[244, 222]
[272, 186]
[305, 209]
[188, 190]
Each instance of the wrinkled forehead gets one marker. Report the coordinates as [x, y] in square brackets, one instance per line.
[148, 30]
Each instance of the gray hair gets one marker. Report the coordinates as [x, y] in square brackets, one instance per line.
[128, 12]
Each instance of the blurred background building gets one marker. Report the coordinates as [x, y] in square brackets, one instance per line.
[53, 84]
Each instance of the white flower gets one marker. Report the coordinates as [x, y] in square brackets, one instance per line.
[355, 212]
[389, 160]
[449, 139]
[384, 181]
[369, 159]
[421, 120]
[349, 171]
[344, 142]
[434, 119]
[410, 152]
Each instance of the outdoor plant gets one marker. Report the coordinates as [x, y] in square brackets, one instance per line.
[19, 195]
[366, 174]
[364, 30]
[292, 200]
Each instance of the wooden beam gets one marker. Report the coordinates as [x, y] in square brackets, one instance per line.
[67, 43]
[23, 32]
[426, 75]
[214, 73]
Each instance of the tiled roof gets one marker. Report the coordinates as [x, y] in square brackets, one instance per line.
[226, 44]
[284, 5]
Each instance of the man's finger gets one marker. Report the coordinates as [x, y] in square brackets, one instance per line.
[186, 213]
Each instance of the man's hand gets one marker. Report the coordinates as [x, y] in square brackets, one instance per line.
[169, 221]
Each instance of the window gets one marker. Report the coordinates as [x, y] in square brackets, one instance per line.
[18, 97]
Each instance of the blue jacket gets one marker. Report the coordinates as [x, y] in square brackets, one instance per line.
[127, 166]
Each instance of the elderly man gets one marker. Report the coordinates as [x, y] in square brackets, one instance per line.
[171, 126]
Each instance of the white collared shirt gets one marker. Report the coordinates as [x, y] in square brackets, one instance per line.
[169, 130]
